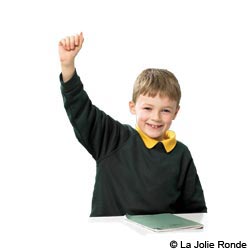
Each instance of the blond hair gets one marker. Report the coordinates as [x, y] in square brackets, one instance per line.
[157, 81]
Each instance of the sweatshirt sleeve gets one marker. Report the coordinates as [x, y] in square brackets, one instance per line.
[192, 199]
[96, 131]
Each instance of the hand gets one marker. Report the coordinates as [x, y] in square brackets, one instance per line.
[69, 48]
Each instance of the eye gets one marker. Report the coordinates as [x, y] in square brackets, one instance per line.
[147, 108]
[166, 111]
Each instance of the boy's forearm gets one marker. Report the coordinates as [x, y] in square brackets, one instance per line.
[67, 72]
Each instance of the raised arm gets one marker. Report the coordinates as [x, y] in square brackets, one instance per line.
[96, 131]
[68, 50]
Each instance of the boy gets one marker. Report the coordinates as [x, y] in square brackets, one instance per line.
[139, 171]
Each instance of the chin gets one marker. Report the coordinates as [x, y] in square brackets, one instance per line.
[154, 136]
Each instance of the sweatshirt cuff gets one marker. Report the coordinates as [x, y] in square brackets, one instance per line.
[71, 84]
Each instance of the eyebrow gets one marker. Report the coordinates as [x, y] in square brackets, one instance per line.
[168, 107]
[147, 104]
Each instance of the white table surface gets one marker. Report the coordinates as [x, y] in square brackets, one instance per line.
[119, 233]
[121, 223]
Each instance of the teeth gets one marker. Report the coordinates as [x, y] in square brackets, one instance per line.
[154, 126]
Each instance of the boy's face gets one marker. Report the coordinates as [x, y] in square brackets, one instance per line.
[154, 115]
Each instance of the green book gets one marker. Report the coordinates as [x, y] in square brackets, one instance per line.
[163, 222]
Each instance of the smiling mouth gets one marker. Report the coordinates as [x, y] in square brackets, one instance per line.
[154, 126]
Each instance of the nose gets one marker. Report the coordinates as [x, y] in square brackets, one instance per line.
[156, 116]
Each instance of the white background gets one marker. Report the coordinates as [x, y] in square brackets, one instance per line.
[46, 176]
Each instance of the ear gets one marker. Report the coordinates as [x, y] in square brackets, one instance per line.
[132, 107]
[176, 112]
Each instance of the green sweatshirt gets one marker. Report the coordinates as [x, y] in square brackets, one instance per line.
[131, 178]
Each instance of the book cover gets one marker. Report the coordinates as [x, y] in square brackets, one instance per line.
[163, 222]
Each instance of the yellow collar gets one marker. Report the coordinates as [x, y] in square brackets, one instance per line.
[168, 143]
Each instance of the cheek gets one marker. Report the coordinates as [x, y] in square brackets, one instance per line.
[167, 119]
[142, 116]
